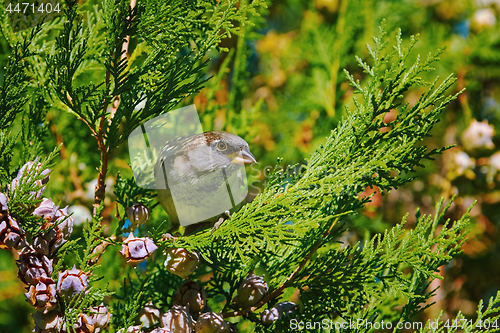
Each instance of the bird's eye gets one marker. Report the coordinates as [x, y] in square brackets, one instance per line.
[221, 145]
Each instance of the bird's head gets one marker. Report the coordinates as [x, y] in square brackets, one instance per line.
[229, 148]
[206, 152]
[225, 149]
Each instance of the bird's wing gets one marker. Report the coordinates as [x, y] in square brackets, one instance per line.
[162, 167]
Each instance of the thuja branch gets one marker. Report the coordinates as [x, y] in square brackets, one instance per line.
[288, 281]
[124, 57]
[101, 178]
[99, 249]
[100, 189]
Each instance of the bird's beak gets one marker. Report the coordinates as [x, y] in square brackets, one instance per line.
[242, 157]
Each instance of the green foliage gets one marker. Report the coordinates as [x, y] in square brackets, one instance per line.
[80, 304]
[153, 72]
[91, 235]
[111, 67]
[127, 193]
[136, 292]
[300, 209]
[377, 270]
[13, 98]
[355, 156]
[6, 147]
[206, 23]
[86, 257]
[15, 81]
[22, 199]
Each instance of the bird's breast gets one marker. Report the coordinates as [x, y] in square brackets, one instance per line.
[206, 197]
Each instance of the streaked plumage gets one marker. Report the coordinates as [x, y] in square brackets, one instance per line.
[198, 177]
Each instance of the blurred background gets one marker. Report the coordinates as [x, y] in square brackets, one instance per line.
[282, 87]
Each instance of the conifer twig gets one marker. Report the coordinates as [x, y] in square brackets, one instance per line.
[101, 184]
[99, 249]
[288, 281]
[125, 45]
[94, 134]
[103, 169]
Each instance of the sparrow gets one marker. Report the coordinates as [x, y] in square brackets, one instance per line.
[200, 178]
